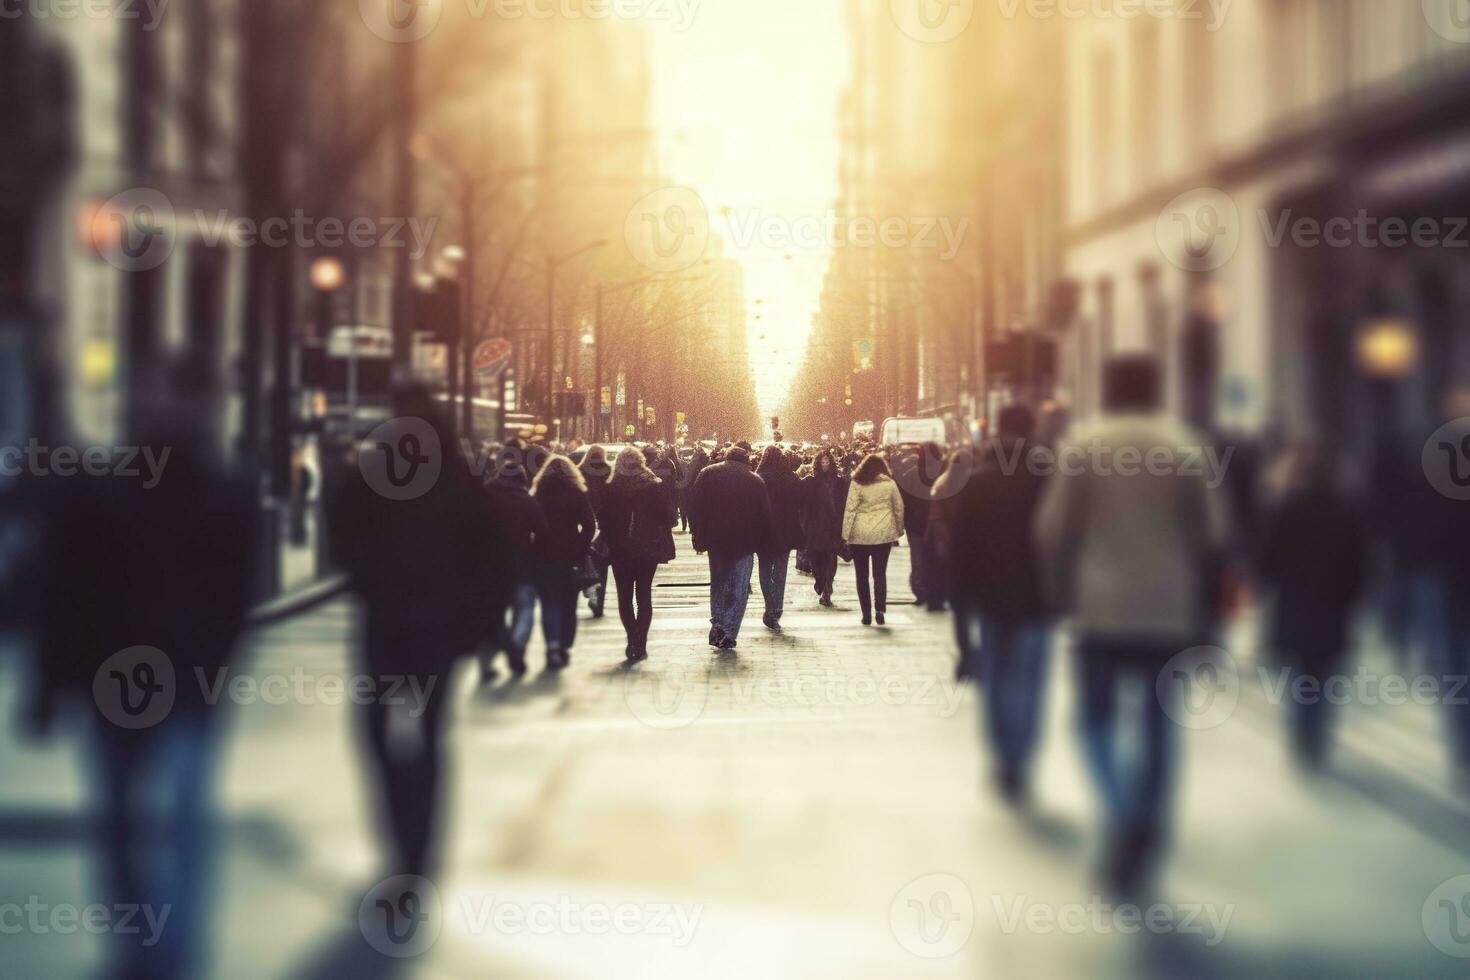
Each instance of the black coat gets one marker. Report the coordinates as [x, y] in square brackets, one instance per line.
[993, 560]
[784, 490]
[729, 511]
[671, 474]
[1314, 556]
[570, 526]
[521, 522]
[636, 519]
[824, 500]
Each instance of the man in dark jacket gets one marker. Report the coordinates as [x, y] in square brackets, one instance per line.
[915, 470]
[783, 490]
[692, 469]
[731, 520]
[996, 588]
[521, 520]
[824, 499]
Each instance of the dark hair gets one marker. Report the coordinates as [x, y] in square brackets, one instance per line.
[1131, 383]
[1016, 422]
[772, 459]
[872, 468]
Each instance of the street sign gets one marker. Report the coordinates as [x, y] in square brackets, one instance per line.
[492, 357]
[607, 397]
[629, 431]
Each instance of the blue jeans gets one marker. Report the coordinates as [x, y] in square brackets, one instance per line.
[559, 601]
[729, 591]
[1457, 665]
[157, 843]
[1014, 659]
[1135, 790]
[773, 568]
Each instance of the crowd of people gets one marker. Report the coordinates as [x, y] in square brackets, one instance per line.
[1140, 563]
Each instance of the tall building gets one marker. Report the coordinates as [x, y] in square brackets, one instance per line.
[1201, 156]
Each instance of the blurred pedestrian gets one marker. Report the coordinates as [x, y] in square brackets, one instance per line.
[564, 554]
[999, 612]
[637, 529]
[1314, 560]
[915, 471]
[783, 489]
[872, 524]
[145, 590]
[730, 518]
[597, 471]
[695, 466]
[432, 573]
[522, 526]
[1132, 554]
[824, 499]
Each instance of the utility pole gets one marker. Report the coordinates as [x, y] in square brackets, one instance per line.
[405, 112]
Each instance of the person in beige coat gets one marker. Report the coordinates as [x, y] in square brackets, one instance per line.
[1131, 533]
[871, 526]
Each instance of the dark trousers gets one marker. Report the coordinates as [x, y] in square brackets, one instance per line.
[157, 836]
[1135, 791]
[559, 596]
[634, 580]
[1014, 661]
[409, 770]
[824, 569]
[773, 566]
[875, 557]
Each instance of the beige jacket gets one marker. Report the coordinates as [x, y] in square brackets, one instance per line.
[1132, 553]
[874, 513]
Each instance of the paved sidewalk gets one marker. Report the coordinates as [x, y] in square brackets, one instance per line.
[813, 804]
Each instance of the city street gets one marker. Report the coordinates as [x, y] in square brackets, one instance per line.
[814, 803]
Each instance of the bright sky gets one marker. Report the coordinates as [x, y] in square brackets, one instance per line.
[746, 101]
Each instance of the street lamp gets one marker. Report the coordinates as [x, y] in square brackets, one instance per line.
[551, 266]
[328, 274]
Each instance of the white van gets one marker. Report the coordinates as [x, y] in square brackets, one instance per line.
[915, 432]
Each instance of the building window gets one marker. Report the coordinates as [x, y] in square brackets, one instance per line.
[1146, 86]
[1104, 124]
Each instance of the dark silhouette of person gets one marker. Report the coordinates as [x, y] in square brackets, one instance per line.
[433, 575]
[637, 519]
[147, 590]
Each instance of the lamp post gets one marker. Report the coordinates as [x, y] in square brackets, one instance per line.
[551, 266]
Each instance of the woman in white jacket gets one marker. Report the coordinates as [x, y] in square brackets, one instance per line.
[872, 525]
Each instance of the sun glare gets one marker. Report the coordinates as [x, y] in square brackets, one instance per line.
[745, 102]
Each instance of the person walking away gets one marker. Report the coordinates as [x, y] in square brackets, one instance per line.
[523, 526]
[433, 578]
[783, 490]
[597, 471]
[871, 525]
[695, 466]
[141, 591]
[823, 501]
[1133, 555]
[637, 520]
[1313, 558]
[915, 471]
[730, 516]
[562, 494]
[997, 595]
